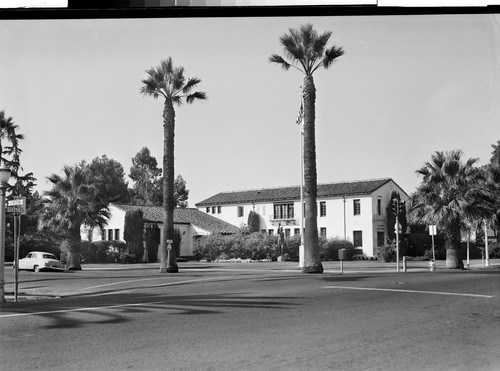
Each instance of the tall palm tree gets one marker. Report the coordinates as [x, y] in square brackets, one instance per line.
[71, 204]
[452, 192]
[168, 81]
[306, 51]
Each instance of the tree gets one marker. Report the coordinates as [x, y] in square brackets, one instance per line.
[69, 205]
[451, 192]
[148, 183]
[147, 179]
[133, 232]
[253, 222]
[306, 51]
[10, 153]
[495, 158]
[181, 193]
[109, 179]
[168, 81]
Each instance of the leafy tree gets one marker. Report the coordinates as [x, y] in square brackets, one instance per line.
[108, 177]
[168, 82]
[147, 179]
[69, 205]
[451, 191]
[495, 158]
[133, 232]
[306, 51]
[181, 193]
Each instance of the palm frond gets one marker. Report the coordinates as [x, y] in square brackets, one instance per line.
[331, 55]
[275, 58]
[199, 95]
[192, 83]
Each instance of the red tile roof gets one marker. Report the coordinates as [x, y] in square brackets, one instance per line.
[364, 187]
[154, 214]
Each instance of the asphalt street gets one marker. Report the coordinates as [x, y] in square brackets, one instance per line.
[254, 316]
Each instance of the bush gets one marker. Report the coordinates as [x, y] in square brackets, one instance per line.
[494, 250]
[329, 248]
[260, 246]
[126, 258]
[96, 252]
[387, 253]
[255, 246]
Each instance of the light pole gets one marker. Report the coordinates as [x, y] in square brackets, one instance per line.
[486, 252]
[4, 178]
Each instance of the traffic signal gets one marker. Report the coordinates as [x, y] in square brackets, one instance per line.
[394, 207]
[402, 208]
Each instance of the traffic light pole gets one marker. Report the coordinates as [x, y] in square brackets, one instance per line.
[397, 242]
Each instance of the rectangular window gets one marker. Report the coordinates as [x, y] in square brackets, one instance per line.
[287, 232]
[263, 231]
[296, 231]
[358, 238]
[208, 209]
[240, 211]
[103, 234]
[117, 234]
[271, 231]
[322, 208]
[379, 206]
[357, 207]
[110, 235]
[283, 211]
[213, 209]
[380, 239]
[219, 209]
[322, 232]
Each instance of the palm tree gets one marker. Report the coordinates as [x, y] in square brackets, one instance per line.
[306, 51]
[71, 204]
[452, 192]
[168, 81]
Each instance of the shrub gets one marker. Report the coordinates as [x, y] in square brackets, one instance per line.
[387, 253]
[255, 246]
[96, 252]
[329, 248]
[126, 258]
[291, 247]
[494, 250]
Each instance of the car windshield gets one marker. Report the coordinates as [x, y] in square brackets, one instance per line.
[48, 256]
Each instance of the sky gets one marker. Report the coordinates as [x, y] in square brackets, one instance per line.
[407, 86]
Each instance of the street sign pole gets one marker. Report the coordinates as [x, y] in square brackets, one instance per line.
[16, 259]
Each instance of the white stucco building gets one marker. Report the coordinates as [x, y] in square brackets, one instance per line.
[351, 210]
[190, 221]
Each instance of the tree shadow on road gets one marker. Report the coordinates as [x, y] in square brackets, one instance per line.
[120, 307]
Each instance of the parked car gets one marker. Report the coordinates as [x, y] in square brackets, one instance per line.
[38, 260]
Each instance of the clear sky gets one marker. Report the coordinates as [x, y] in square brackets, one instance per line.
[407, 86]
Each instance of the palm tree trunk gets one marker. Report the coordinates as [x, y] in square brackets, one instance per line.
[168, 259]
[73, 259]
[453, 246]
[312, 261]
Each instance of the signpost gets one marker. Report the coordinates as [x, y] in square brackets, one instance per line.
[17, 207]
[432, 232]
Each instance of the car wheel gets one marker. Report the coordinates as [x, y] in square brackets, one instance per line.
[36, 268]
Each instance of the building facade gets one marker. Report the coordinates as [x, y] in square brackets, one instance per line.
[352, 210]
[190, 221]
